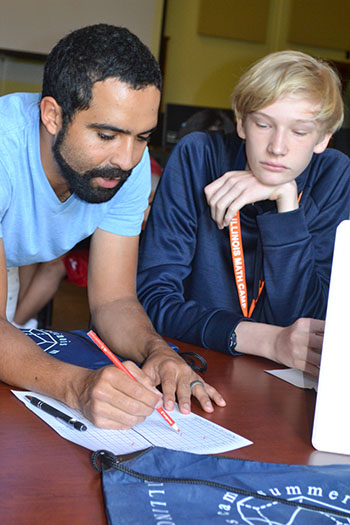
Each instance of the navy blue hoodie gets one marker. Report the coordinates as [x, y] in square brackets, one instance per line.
[186, 282]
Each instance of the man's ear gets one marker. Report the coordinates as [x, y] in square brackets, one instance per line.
[240, 128]
[51, 115]
[321, 146]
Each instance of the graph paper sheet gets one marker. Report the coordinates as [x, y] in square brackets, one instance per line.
[196, 434]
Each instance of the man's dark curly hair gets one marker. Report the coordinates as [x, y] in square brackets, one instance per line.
[95, 53]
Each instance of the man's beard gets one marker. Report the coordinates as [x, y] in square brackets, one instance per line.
[80, 183]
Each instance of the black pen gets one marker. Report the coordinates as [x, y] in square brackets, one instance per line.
[56, 413]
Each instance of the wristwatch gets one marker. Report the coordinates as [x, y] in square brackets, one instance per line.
[232, 342]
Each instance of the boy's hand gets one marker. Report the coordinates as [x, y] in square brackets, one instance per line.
[231, 192]
[297, 346]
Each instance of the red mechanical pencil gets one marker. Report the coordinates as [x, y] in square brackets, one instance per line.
[120, 365]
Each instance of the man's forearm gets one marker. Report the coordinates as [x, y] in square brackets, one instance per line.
[23, 364]
[126, 329]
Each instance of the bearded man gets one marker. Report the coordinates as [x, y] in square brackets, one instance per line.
[74, 163]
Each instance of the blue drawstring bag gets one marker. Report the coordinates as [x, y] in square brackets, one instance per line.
[74, 347]
[165, 487]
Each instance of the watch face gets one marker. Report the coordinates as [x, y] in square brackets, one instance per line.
[233, 341]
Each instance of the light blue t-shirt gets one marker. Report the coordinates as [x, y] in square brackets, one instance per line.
[34, 224]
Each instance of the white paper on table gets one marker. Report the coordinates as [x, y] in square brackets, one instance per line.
[295, 377]
[197, 434]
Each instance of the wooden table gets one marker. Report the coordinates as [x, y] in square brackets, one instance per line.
[46, 479]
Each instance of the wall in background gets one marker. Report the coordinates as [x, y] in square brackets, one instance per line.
[199, 69]
[34, 26]
[18, 75]
[202, 70]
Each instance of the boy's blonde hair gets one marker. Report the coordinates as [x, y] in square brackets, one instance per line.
[291, 72]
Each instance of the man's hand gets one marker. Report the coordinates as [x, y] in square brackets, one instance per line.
[122, 324]
[296, 346]
[231, 192]
[166, 368]
[111, 399]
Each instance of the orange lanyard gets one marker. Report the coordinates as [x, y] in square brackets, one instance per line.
[239, 266]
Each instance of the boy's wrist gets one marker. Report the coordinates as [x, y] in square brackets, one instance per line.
[258, 339]
[232, 343]
[287, 197]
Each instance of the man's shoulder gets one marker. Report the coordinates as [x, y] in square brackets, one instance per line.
[17, 108]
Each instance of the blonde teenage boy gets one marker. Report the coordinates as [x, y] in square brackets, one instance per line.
[277, 184]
